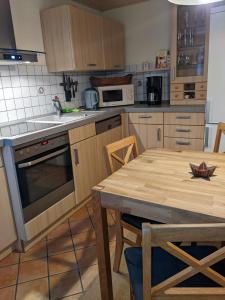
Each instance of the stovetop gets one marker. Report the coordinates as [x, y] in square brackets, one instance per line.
[23, 128]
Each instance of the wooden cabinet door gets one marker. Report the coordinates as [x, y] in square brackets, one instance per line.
[104, 139]
[7, 227]
[85, 168]
[148, 136]
[87, 39]
[113, 43]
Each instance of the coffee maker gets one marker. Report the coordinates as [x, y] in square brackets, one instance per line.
[154, 90]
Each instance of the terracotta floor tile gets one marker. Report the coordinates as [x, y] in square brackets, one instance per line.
[8, 293]
[80, 214]
[33, 290]
[60, 245]
[65, 284]
[89, 276]
[80, 225]
[63, 262]
[84, 239]
[62, 230]
[11, 259]
[33, 269]
[86, 257]
[8, 275]
[39, 250]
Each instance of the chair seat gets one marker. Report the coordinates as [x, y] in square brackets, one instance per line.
[136, 221]
[164, 265]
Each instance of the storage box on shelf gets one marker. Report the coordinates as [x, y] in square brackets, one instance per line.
[189, 55]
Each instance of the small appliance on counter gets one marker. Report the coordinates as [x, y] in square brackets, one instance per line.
[154, 90]
[91, 99]
[116, 95]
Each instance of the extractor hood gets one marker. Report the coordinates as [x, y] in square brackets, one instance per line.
[8, 50]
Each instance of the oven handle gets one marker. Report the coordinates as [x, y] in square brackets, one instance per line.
[38, 160]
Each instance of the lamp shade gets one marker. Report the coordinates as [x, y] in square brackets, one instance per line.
[193, 2]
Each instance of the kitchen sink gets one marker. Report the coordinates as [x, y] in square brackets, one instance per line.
[65, 118]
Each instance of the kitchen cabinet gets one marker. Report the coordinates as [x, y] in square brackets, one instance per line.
[77, 39]
[104, 139]
[184, 131]
[148, 136]
[113, 44]
[85, 167]
[189, 55]
[148, 129]
[7, 227]
[72, 39]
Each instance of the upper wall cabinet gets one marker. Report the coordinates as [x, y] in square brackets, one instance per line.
[113, 44]
[74, 39]
[189, 54]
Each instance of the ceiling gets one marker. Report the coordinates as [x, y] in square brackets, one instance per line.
[108, 4]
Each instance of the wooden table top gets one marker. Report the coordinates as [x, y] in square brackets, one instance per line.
[163, 179]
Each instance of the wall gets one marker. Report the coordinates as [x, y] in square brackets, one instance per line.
[147, 27]
[20, 95]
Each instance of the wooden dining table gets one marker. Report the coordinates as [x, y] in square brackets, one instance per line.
[158, 185]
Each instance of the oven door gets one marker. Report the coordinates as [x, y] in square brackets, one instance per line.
[44, 179]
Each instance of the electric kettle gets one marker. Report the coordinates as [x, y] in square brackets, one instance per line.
[91, 98]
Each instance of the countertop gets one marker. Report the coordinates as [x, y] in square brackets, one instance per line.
[105, 113]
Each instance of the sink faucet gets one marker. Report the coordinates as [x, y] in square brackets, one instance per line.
[57, 106]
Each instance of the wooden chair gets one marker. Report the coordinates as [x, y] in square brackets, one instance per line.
[168, 272]
[122, 152]
[220, 130]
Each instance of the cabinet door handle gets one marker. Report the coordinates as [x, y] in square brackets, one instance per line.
[92, 65]
[182, 130]
[159, 134]
[76, 157]
[183, 117]
[117, 66]
[183, 143]
[145, 117]
[173, 73]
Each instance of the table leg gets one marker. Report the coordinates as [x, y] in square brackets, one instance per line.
[102, 244]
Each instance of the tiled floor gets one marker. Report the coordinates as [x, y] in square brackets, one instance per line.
[62, 266]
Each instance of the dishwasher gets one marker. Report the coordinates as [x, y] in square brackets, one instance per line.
[108, 124]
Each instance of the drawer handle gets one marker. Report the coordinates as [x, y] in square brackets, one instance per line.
[117, 66]
[92, 65]
[76, 157]
[145, 117]
[183, 143]
[159, 134]
[182, 130]
[183, 117]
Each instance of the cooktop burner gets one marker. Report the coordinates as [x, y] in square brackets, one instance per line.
[23, 128]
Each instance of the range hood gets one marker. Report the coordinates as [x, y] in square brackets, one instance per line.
[8, 50]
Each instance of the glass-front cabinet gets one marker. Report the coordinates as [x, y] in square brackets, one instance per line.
[189, 51]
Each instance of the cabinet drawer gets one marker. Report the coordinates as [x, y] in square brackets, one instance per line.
[184, 118]
[177, 87]
[201, 95]
[183, 144]
[177, 95]
[181, 131]
[81, 133]
[146, 118]
[201, 86]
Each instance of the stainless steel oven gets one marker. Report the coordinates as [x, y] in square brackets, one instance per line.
[44, 174]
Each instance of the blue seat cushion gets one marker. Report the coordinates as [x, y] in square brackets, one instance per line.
[165, 265]
[136, 221]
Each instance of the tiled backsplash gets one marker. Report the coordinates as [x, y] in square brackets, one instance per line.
[27, 91]
[21, 95]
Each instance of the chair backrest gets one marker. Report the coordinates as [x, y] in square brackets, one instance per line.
[128, 143]
[220, 130]
[162, 236]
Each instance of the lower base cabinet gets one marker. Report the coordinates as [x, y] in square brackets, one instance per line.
[182, 144]
[148, 136]
[85, 167]
[7, 227]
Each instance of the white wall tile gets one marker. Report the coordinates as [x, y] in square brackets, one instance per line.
[13, 70]
[10, 104]
[4, 71]
[2, 106]
[6, 82]
[8, 93]
[21, 113]
[28, 112]
[15, 81]
[12, 116]
[3, 117]
[22, 70]
[17, 92]
[25, 92]
[19, 103]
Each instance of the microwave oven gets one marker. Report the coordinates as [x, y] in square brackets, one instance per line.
[116, 95]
